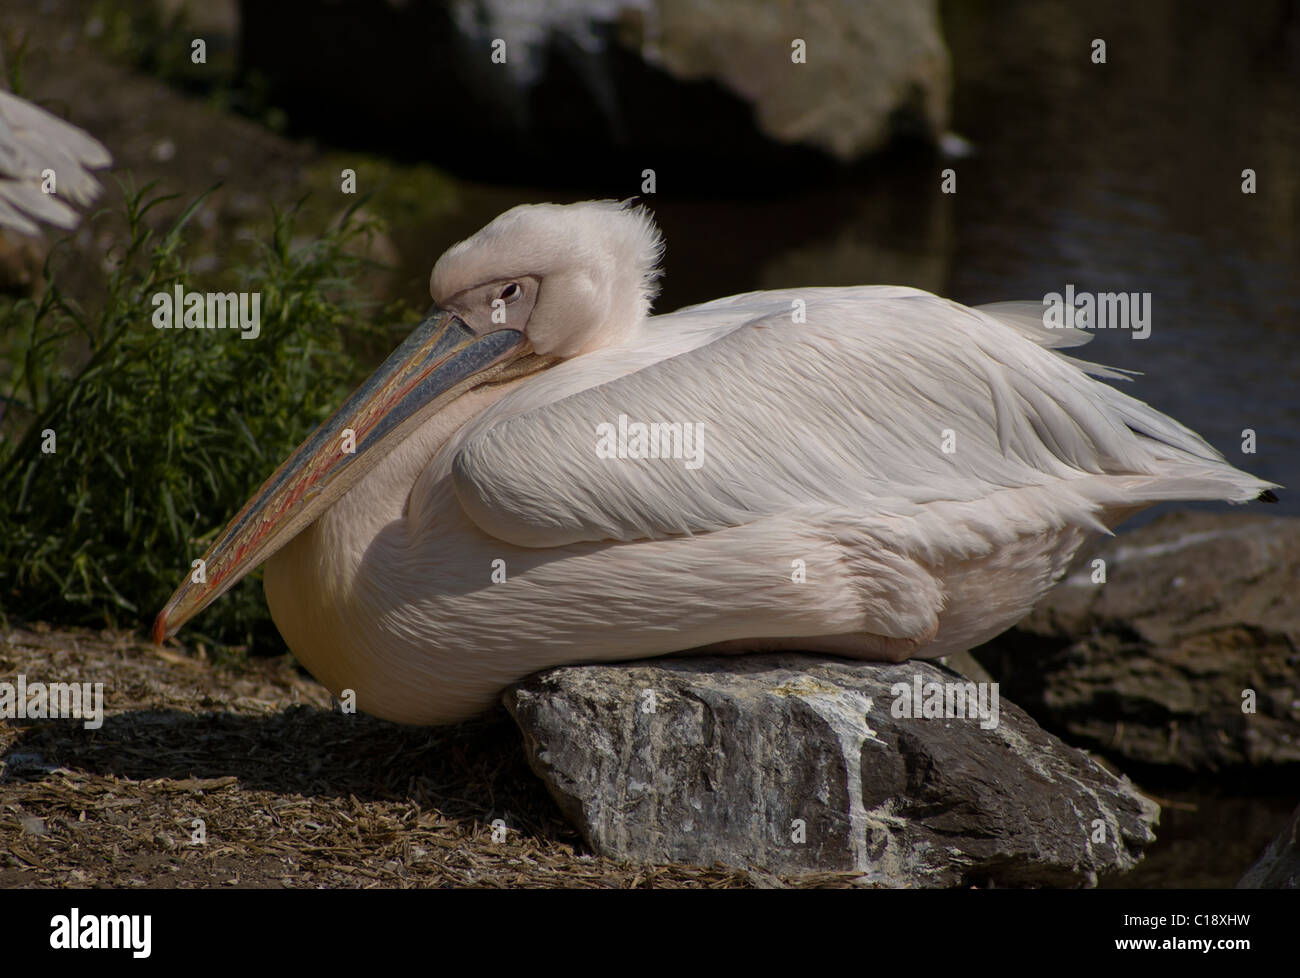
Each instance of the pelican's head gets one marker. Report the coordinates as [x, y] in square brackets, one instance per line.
[540, 284]
[572, 277]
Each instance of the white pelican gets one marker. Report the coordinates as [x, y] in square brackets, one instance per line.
[885, 474]
[43, 159]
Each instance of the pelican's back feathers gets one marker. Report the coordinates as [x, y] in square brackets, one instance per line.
[884, 400]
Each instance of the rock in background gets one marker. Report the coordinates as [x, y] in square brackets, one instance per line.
[871, 64]
[709, 84]
[712, 760]
[1151, 666]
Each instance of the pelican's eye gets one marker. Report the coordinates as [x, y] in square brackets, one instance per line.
[511, 292]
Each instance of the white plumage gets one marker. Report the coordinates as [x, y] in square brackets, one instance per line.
[824, 448]
[32, 143]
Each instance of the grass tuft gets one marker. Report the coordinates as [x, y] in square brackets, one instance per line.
[126, 448]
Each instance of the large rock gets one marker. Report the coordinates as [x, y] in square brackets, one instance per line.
[728, 759]
[1187, 656]
[868, 62]
[585, 84]
[1279, 866]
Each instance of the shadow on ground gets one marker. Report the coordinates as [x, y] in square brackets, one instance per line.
[474, 770]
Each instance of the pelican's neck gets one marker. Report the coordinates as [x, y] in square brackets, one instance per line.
[383, 494]
[318, 568]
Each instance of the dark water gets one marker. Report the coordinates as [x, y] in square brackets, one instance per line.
[1117, 177]
[1127, 177]
[1206, 839]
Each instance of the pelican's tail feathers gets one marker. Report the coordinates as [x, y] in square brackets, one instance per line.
[1184, 466]
[1179, 481]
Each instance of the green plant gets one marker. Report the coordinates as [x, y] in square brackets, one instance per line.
[159, 435]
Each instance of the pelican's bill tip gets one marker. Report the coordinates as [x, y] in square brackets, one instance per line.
[160, 628]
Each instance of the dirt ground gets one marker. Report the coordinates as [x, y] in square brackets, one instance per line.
[291, 793]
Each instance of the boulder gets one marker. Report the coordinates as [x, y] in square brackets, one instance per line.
[800, 764]
[1279, 867]
[568, 90]
[868, 62]
[1186, 657]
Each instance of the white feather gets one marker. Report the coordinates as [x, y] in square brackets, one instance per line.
[32, 141]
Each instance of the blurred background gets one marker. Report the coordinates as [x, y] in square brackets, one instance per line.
[1117, 176]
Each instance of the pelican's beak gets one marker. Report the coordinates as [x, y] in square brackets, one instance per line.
[437, 363]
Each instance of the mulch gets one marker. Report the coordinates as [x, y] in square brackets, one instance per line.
[290, 792]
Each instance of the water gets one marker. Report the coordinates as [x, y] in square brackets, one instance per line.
[1206, 839]
[1127, 177]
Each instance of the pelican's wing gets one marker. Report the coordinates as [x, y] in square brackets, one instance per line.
[33, 141]
[1027, 319]
[883, 402]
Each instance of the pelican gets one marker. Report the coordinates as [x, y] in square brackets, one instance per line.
[873, 472]
[43, 158]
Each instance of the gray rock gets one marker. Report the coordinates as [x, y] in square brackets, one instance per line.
[1199, 616]
[1279, 867]
[717, 759]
